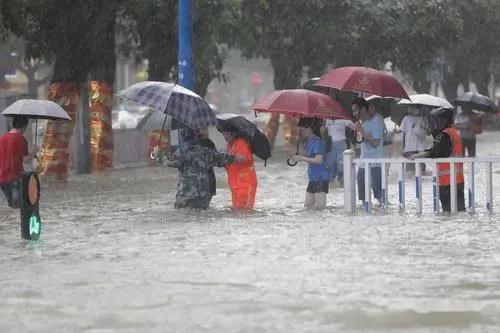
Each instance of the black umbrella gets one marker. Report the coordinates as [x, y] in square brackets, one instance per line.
[475, 101]
[259, 144]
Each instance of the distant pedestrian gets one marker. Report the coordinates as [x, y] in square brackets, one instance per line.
[447, 143]
[13, 153]
[336, 131]
[415, 129]
[469, 125]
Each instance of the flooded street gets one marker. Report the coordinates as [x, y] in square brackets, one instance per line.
[115, 256]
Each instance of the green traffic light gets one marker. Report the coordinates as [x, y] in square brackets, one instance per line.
[35, 225]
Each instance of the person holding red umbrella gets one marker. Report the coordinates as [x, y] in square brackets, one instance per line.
[372, 130]
[317, 171]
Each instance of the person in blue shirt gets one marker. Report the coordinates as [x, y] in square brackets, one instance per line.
[317, 171]
[371, 128]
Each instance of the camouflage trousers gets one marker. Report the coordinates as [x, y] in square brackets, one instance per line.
[193, 202]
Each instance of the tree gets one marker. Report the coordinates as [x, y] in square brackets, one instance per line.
[150, 29]
[79, 36]
[474, 54]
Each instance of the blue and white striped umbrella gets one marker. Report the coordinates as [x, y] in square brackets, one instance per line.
[186, 108]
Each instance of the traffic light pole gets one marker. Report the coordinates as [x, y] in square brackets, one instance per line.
[185, 35]
[185, 55]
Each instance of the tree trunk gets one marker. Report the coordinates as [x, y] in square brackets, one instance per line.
[450, 85]
[83, 133]
[287, 75]
[420, 83]
[100, 102]
[159, 68]
[54, 159]
[481, 78]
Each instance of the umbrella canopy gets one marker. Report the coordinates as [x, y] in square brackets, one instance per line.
[301, 102]
[426, 100]
[153, 121]
[475, 101]
[258, 141]
[186, 108]
[364, 80]
[384, 106]
[36, 109]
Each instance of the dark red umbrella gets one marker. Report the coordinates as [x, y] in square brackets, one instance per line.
[364, 80]
[302, 103]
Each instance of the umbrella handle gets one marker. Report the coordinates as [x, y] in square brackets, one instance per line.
[290, 161]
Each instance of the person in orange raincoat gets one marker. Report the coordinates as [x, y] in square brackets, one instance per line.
[240, 175]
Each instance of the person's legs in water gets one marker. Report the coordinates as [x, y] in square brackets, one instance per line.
[244, 198]
[445, 197]
[309, 201]
[460, 197]
[192, 203]
[469, 146]
[12, 192]
[472, 148]
[331, 160]
[361, 184]
[339, 147]
[376, 174]
[316, 195]
[410, 167]
[319, 200]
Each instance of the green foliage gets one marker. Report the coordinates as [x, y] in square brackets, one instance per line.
[150, 29]
[77, 34]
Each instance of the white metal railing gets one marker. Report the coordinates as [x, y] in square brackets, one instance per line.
[350, 177]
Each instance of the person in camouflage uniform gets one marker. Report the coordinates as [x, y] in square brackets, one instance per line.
[194, 162]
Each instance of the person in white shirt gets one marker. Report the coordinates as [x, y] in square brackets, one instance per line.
[337, 146]
[415, 131]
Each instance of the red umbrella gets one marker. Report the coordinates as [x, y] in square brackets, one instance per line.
[301, 102]
[363, 79]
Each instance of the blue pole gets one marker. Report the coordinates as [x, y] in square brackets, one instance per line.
[185, 56]
[185, 35]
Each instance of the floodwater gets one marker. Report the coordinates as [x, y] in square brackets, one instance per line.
[116, 257]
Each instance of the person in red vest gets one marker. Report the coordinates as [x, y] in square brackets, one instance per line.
[447, 143]
[241, 175]
[13, 153]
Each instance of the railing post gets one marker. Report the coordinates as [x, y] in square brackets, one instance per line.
[385, 195]
[401, 186]
[368, 193]
[418, 187]
[471, 187]
[453, 188]
[489, 187]
[349, 182]
[435, 188]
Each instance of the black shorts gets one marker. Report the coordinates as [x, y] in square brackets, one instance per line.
[320, 186]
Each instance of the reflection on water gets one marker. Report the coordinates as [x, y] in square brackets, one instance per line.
[116, 257]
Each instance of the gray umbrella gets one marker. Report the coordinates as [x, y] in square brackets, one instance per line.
[155, 120]
[36, 109]
[475, 101]
[186, 108]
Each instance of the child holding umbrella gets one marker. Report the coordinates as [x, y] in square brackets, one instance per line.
[317, 171]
